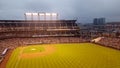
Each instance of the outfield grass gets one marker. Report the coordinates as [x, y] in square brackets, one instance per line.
[83, 55]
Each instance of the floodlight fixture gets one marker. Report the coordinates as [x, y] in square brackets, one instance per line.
[54, 14]
[41, 14]
[48, 14]
[34, 14]
[28, 13]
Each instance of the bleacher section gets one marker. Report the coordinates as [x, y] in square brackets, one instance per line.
[110, 42]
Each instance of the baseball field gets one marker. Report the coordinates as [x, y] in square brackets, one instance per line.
[72, 55]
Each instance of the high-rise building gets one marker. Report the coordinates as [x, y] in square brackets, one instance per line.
[98, 26]
[99, 21]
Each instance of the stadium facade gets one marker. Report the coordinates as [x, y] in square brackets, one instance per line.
[38, 28]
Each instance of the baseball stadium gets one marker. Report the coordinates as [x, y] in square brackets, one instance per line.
[44, 41]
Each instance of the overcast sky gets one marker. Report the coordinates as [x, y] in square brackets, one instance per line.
[83, 10]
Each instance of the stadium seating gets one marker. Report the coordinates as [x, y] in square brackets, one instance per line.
[12, 43]
[21, 28]
[110, 42]
[1, 58]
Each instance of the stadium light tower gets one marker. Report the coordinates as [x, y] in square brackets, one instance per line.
[51, 16]
[56, 15]
[48, 14]
[40, 15]
[28, 14]
[36, 15]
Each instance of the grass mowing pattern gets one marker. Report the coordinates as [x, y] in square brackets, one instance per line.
[83, 55]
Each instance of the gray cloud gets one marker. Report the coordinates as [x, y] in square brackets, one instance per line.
[84, 10]
[39, 6]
